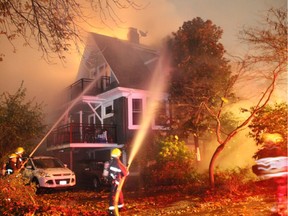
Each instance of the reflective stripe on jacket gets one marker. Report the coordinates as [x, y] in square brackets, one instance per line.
[117, 170]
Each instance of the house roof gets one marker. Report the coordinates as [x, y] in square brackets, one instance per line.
[131, 63]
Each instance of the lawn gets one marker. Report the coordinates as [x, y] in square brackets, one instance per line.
[254, 199]
[161, 201]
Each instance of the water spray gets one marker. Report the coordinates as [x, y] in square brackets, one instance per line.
[157, 87]
[66, 112]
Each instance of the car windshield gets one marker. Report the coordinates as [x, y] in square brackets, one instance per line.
[47, 163]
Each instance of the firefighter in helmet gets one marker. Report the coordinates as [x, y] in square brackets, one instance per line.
[19, 152]
[273, 165]
[10, 167]
[117, 170]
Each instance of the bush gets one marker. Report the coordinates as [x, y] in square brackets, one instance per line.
[234, 180]
[16, 197]
[174, 164]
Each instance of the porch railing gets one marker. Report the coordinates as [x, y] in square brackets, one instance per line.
[82, 133]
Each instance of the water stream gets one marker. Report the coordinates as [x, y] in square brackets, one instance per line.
[66, 112]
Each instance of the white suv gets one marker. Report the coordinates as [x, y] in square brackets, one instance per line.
[49, 172]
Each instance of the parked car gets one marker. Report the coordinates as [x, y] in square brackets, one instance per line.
[94, 175]
[49, 172]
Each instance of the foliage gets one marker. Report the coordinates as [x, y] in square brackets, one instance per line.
[53, 25]
[229, 121]
[20, 122]
[200, 75]
[272, 120]
[16, 197]
[269, 41]
[187, 199]
[233, 180]
[169, 200]
[265, 40]
[174, 165]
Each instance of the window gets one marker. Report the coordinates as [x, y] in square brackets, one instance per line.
[137, 111]
[139, 105]
[108, 109]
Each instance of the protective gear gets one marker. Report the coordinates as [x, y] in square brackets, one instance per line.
[117, 171]
[10, 167]
[19, 150]
[13, 155]
[116, 152]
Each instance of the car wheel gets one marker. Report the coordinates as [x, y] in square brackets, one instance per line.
[96, 183]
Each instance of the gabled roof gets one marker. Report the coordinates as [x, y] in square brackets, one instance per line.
[131, 63]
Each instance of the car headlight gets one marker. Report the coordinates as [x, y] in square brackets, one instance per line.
[44, 174]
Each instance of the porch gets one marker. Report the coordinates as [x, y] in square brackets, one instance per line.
[82, 136]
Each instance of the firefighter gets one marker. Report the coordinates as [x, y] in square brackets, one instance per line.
[10, 167]
[274, 167]
[19, 152]
[117, 171]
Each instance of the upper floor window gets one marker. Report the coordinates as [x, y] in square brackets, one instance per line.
[138, 106]
[137, 111]
[103, 75]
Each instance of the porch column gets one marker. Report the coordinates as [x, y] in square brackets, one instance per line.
[81, 124]
[71, 158]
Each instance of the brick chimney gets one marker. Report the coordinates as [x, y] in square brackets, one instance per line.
[133, 35]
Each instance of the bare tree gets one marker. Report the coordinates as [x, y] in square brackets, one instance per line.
[267, 62]
[54, 25]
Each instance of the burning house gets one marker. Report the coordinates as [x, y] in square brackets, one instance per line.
[110, 97]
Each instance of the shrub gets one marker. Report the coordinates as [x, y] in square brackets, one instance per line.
[234, 180]
[16, 196]
[174, 164]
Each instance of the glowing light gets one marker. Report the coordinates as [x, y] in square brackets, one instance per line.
[225, 100]
[272, 137]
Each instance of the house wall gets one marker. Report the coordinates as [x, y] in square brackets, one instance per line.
[64, 156]
[121, 119]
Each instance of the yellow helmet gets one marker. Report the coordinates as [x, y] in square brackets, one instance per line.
[116, 152]
[13, 155]
[19, 150]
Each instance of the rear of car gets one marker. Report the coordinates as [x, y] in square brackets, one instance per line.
[49, 172]
[92, 174]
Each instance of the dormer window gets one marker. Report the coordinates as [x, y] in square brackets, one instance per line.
[103, 75]
[105, 82]
[104, 70]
